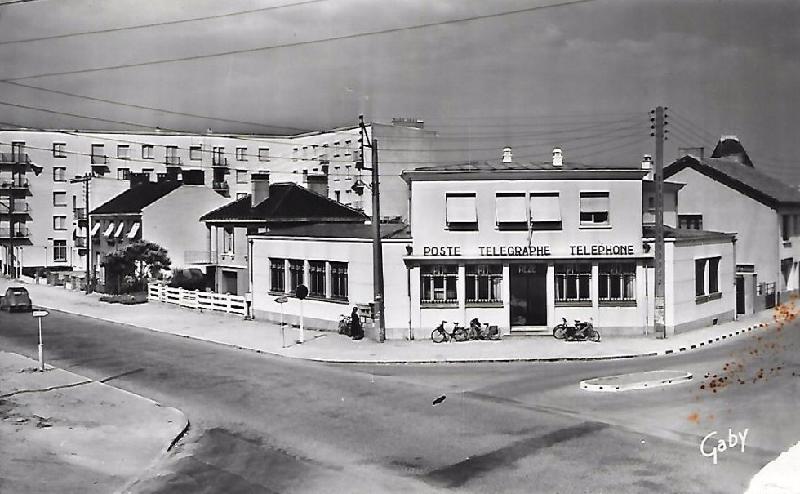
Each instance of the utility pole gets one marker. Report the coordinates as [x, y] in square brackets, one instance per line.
[86, 180]
[377, 247]
[658, 179]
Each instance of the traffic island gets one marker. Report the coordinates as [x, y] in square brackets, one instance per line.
[636, 380]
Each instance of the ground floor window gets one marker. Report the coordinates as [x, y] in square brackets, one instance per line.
[484, 283]
[706, 278]
[296, 272]
[339, 280]
[439, 284]
[316, 278]
[277, 275]
[616, 282]
[59, 250]
[573, 282]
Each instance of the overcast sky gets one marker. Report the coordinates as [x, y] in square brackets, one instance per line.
[581, 75]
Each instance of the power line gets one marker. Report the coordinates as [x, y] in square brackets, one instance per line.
[295, 44]
[156, 24]
[12, 2]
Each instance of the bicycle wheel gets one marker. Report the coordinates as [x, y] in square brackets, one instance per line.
[560, 332]
[438, 335]
[460, 334]
[594, 336]
[493, 333]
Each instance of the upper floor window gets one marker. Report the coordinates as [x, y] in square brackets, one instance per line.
[59, 198]
[511, 211]
[218, 156]
[461, 211]
[594, 208]
[59, 222]
[59, 150]
[228, 243]
[241, 154]
[171, 155]
[98, 158]
[123, 152]
[148, 152]
[59, 174]
[263, 154]
[123, 173]
[241, 176]
[545, 211]
[195, 153]
[690, 221]
[786, 228]
[59, 250]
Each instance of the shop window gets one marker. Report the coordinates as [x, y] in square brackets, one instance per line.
[484, 282]
[461, 211]
[594, 209]
[706, 279]
[617, 282]
[296, 274]
[59, 150]
[573, 282]
[59, 250]
[439, 284]
[316, 278]
[228, 243]
[339, 280]
[195, 153]
[511, 211]
[690, 221]
[545, 211]
[277, 275]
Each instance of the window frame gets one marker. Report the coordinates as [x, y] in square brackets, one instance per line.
[228, 240]
[63, 177]
[126, 155]
[606, 271]
[692, 221]
[706, 288]
[339, 281]
[59, 193]
[460, 225]
[263, 156]
[566, 274]
[594, 194]
[123, 173]
[490, 274]
[240, 173]
[277, 275]
[63, 222]
[296, 274]
[512, 225]
[241, 154]
[317, 286]
[445, 275]
[151, 154]
[59, 150]
[546, 224]
[61, 248]
[193, 150]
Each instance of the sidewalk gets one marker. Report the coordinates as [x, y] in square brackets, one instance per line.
[66, 433]
[265, 337]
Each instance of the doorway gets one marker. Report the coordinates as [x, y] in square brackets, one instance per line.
[740, 307]
[528, 286]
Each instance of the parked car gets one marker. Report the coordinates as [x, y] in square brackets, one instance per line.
[16, 298]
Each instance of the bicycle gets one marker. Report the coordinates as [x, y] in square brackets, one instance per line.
[485, 332]
[440, 334]
[344, 324]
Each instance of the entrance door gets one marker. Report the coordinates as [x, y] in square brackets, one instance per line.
[740, 294]
[528, 286]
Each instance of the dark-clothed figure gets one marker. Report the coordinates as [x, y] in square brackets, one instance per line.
[356, 330]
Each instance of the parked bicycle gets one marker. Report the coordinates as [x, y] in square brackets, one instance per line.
[344, 324]
[581, 331]
[440, 334]
[482, 332]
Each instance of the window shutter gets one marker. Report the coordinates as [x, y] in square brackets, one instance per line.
[511, 208]
[545, 207]
[594, 202]
[461, 209]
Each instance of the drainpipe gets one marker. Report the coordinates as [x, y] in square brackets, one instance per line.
[735, 296]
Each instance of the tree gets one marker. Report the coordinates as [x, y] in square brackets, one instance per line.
[117, 266]
[149, 259]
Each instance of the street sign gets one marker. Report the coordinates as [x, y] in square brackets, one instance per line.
[282, 300]
[301, 292]
[40, 313]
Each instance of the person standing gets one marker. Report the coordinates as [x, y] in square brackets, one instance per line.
[356, 330]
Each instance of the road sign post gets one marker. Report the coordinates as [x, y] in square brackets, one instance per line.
[281, 301]
[39, 314]
[301, 292]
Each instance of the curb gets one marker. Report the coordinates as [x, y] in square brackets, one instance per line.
[598, 384]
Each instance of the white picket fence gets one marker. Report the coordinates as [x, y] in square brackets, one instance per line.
[194, 299]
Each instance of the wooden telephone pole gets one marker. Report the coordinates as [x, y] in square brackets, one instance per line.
[659, 323]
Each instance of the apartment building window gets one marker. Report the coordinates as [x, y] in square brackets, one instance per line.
[218, 156]
[296, 272]
[59, 222]
[171, 156]
[59, 150]
[594, 208]
[123, 173]
[59, 250]
[438, 284]
[59, 198]
[339, 280]
[706, 279]
[123, 152]
[786, 227]
[59, 174]
[263, 154]
[460, 211]
[228, 243]
[484, 282]
[545, 211]
[337, 195]
[316, 278]
[511, 212]
[277, 275]
[147, 152]
[241, 154]
[98, 157]
[241, 176]
[690, 221]
[195, 153]
[616, 282]
[573, 282]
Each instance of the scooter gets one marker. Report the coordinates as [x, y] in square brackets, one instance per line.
[581, 331]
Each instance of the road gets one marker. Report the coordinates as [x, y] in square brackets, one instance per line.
[269, 424]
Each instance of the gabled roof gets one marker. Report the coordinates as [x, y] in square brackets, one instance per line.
[742, 178]
[332, 230]
[287, 202]
[686, 234]
[137, 198]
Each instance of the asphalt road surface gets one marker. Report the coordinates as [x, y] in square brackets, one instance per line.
[267, 424]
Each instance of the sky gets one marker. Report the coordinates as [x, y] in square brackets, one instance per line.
[532, 74]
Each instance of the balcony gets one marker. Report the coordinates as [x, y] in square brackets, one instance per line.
[79, 213]
[222, 188]
[220, 161]
[199, 257]
[172, 161]
[15, 184]
[21, 208]
[19, 232]
[99, 159]
[14, 158]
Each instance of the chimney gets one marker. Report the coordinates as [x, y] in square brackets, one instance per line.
[647, 165]
[415, 123]
[507, 156]
[259, 188]
[697, 151]
[558, 157]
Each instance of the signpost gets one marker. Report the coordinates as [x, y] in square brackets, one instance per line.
[39, 314]
[301, 292]
[281, 301]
